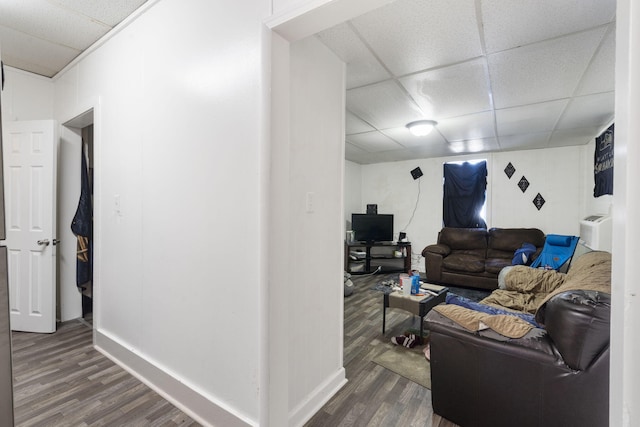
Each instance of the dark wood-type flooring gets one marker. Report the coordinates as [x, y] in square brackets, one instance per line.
[375, 396]
[61, 380]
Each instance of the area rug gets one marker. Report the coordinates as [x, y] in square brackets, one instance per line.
[407, 362]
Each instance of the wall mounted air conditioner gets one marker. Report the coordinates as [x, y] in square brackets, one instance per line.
[595, 232]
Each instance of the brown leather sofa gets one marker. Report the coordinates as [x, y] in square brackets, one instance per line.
[556, 375]
[473, 257]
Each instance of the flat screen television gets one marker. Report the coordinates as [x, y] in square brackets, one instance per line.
[372, 227]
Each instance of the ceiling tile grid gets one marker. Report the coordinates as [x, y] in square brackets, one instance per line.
[542, 71]
[495, 74]
[513, 23]
[373, 142]
[451, 91]
[383, 105]
[530, 118]
[469, 127]
[44, 36]
[364, 68]
[413, 35]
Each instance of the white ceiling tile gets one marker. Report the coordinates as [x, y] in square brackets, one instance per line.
[525, 141]
[373, 142]
[508, 24]
[471, 146]
[469, 127]
[580, 136]
[542, 71]
[353, 124]
[451, 91]
[383, 105]
[22, 51]
[413, 35]
[600, 76]
[529, 118]
[44, 20]
[362, 66]
[108, 12]
[356, 154]
[588, 111]
[407, 139]
[430, 151]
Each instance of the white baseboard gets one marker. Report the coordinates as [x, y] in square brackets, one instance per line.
[318, 398]
[187, 399]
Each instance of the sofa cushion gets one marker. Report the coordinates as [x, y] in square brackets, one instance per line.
[467, 263]
[496, 253]
[463, 238]
[510, 239]
[495, 265]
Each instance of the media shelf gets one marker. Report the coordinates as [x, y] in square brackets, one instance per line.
[363, 258]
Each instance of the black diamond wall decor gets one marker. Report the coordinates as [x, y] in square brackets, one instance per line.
[538, 201]
[509, 170]
[523, 184]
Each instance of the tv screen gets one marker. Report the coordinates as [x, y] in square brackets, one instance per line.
[372, 227]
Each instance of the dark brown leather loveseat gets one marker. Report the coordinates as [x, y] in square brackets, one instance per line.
[556, 375]
[473, 257]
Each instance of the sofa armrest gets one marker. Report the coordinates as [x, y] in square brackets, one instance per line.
[535, 345]
[578, 322]
[438, 249]
[433, 266]
[474, 377]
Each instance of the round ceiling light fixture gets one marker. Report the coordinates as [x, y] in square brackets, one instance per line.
[421, 127]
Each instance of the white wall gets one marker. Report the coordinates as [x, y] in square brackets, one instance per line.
[625, 307]
[179, 128]
[352, 189]
[26, 96]
[560, 175]
[316, 176]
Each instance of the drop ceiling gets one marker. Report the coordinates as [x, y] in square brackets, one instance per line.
[496, 75]
[43, 36]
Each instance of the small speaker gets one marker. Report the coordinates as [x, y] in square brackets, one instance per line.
[416, 173]
[372, 209]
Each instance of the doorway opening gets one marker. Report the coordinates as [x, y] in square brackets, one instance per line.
[75, 209]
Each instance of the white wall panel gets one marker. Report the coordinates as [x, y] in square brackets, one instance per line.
[178, 144]
[26, 96]
[316, 206]
[352, 190]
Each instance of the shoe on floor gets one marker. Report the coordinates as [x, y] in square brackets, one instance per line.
[405, 341]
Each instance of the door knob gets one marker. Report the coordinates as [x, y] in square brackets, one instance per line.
[56, 241]
[44, 242]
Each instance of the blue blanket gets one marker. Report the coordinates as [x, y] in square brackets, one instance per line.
[467, 303]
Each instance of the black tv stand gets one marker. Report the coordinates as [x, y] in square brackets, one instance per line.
[368, 257]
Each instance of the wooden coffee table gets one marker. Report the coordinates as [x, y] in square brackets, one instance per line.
[419, 305]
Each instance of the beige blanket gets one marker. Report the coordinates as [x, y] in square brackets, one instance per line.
[527, 291]
[471, 320]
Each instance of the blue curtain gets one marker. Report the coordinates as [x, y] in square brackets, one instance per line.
[465, 187]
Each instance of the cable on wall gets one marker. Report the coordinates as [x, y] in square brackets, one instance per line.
[415, 208]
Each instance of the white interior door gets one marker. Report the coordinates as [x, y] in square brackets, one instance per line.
[30, 196]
